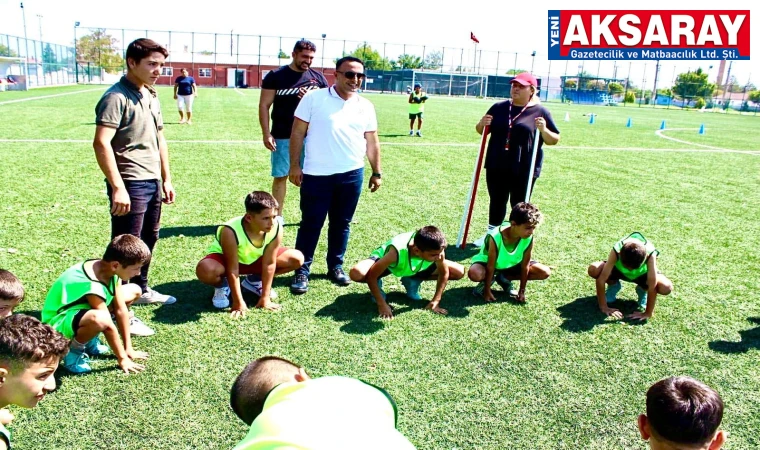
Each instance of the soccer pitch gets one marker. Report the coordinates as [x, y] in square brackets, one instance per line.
[553, 373]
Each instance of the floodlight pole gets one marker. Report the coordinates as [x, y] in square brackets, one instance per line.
[26, 56]
[76, 60]
[323, 52]
[533, 62]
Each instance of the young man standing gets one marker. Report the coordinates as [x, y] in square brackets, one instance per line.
[132, 153]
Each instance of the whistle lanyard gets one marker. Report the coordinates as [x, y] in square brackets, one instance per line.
[510, 120]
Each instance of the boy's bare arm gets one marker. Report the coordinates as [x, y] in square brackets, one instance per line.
[443, 277]
[524, 270]
[601, 281]
[268, 268]
[232, 269]
[373, 274]
[111, 334]
[651, 290]
[490, 269]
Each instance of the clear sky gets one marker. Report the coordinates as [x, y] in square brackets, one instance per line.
[499, 25]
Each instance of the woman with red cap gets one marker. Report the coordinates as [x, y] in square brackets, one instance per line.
[513, 124]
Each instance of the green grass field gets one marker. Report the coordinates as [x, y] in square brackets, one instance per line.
[551, 374]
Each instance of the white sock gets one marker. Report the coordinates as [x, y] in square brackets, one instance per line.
[75, 345]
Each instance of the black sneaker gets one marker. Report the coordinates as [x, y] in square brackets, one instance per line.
[339, 277]
[300, 284]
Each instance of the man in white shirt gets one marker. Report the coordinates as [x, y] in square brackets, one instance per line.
[342, 128]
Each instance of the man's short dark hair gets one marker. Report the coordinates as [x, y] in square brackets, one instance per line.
[303, 44]
[429, 238]
[127, 250]
[684, 411]
[348, 59]
[142, 48]
[632, 254]
[25, 340]
[258, 201]
[11, 288]
[252, 386]
[524, 213]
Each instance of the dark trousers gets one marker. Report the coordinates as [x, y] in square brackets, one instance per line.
[143, 219]
[503, 187]
[327, 196]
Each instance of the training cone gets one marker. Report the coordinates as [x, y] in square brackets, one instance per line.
[662, 125]
[592, 118]
[629, 124]
[702, 129]
[567, 117]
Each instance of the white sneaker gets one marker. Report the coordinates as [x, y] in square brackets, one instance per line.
[151, 297]
[221, 298]
[255, 287]
[138, 328]
[281, 220]
[481, 241]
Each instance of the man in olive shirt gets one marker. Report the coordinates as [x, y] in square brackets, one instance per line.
[133, 155]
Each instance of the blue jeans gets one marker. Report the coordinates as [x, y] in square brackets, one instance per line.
[333, 196]
[143, 219]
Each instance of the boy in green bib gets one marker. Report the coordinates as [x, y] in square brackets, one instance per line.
[29, 355]
[250, 244]
[632, 259]
[287, 409]
[89, 296]
[414, 257]
[506, 256]
[417, 101]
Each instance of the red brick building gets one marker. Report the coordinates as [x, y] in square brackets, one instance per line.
[223, 74]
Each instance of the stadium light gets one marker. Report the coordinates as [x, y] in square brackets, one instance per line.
[76, 55]
[323, 52]
[533, 62]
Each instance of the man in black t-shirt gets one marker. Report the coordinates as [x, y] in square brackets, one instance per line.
[282, 89]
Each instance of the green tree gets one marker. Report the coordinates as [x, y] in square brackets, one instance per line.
[372, 59]
[571, 83]
[630, 97]
[49, 60]
[406, 61]
[282, 55]
[693, 84]
[754, 96]
[615, 88]
[433, 60]
[101, 49]
[515, 71]
[666, 92]
[5, 51]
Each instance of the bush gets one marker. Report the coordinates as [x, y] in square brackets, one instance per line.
[630, 97]
[700, 103]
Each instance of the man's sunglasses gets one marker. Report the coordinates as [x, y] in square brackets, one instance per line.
[351, 75]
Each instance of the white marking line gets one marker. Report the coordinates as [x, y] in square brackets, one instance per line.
[28, 99]
[450, 144]
[659, 133]
[238, 91]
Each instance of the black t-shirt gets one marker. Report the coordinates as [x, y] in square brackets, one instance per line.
[286, 83]
[516, 160]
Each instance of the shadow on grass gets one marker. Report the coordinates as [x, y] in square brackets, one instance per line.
[193, 298]
[749, 339]
[193, 231]
[454, 253]
[582, 314]
[361, 312]
[393, 135]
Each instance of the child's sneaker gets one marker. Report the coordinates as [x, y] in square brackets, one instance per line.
[612, 291]
[95, 348]
[412, 286]
[138, 328]
[477, 291]
[255, 287]
[76, 362]
[419, 133]
[505, 284]
[642, 298]
[221, 298]
[480, 241]
[150, 297]
[411, 132]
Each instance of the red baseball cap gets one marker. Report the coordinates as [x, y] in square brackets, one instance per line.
[525, 79]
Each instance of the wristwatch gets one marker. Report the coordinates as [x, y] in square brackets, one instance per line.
[377, 175]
